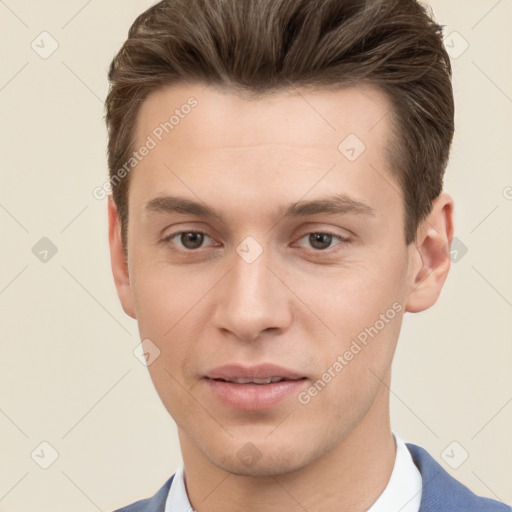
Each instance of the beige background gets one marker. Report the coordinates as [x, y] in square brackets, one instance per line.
[67, 372]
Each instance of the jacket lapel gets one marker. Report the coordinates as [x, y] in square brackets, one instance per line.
[440, 491]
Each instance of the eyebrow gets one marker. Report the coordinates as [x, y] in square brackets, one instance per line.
[339, 204]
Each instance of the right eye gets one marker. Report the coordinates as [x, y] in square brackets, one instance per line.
[187, 240]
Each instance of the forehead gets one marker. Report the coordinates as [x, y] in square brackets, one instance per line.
[302, 117]
[248, 153]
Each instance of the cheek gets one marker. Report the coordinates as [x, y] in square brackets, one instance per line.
[163, 296]
[167, 308]
[350, 299]
[170, 309]
[361, 311]
[355, 362]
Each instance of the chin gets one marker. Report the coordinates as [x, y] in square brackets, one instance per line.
[273, 465]
[261, 456]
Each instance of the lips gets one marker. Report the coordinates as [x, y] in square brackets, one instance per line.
[259, 374]
[268, 380]
[253, 388]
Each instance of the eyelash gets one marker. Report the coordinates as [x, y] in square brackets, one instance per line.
[341, 239]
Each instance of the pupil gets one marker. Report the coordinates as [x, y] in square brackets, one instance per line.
[320, 240]
[195, 240]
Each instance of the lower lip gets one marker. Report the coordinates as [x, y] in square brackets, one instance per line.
[250, 397]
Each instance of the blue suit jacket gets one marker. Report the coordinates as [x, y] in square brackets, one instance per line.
[440, 493]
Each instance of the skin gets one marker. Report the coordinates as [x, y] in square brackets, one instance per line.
[296, 305]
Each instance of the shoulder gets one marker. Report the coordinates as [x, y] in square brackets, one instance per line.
[440, 491]
[153, 504]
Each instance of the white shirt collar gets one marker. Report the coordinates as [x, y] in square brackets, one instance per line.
[402, 493]
[177, 499]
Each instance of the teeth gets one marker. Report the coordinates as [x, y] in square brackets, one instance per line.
[268, 380]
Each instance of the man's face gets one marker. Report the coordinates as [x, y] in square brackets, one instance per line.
[261, 287]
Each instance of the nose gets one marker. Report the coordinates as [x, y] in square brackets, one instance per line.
[252, 299]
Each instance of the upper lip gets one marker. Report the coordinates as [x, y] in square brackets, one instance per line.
[261, 371]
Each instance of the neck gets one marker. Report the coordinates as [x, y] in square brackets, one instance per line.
[349, 477]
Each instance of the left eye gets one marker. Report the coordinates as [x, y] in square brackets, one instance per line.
[321, 241]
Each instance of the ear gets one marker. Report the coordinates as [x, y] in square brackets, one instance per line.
[431, 253]
[118, 259]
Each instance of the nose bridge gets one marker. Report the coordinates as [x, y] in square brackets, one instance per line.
[251, 298]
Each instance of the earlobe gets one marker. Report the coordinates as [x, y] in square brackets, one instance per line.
[433, 251]
[118, 260]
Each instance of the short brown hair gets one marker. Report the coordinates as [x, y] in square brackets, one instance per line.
[260, 46]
